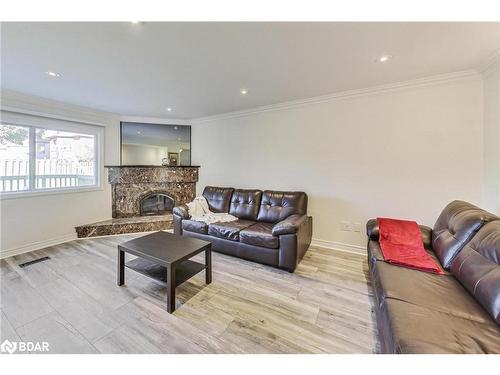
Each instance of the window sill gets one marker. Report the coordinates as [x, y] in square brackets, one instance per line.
[47, 192]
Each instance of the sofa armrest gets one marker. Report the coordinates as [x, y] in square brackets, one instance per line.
[182, 211]
[293, 246]
[290, 225]
[372, 231]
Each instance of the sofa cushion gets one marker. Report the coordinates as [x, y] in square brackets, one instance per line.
[441, 293]
[260, 234]
[414, 329]
[195, 226]
[278, 205]
[375, 254]
[229, 231]
[458, 223]
[218, 198]
[245, 204]
[477, 267]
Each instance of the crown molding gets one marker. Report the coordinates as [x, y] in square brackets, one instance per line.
[491, 64]
[374, 90]
[155, 120]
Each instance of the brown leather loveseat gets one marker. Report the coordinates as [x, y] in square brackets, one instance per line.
[272, 227]
[458, 312]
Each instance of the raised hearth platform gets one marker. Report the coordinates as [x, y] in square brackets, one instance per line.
[125, 225]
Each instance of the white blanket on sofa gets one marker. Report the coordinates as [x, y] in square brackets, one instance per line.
[199, 211]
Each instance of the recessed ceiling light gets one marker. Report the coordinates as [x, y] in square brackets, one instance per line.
[135, 22]
[384, 58]
[175, 127]
[169, 109]
[243, 91]
[52, 74]
[138, 132]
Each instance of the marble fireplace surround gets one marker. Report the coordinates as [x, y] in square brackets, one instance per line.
[129, 185]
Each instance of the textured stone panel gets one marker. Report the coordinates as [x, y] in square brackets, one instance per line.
[135, 175]
[131, 184]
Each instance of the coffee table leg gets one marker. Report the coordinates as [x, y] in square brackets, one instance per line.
[171, 288]
[208, 265]
[120, 280]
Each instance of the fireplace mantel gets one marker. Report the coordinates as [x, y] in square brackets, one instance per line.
[151, 166]
[144, 174]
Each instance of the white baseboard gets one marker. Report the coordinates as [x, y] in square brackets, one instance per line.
[335, 245]
[37, 245]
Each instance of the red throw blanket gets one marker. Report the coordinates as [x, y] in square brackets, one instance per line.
[401, 244]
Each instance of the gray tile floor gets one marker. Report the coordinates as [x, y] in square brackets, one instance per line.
[72, 302]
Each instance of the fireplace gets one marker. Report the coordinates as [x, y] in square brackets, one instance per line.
[143, 198]
[156, 204]
[130, 186]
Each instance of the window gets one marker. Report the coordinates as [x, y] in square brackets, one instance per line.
[51, 156]
[14, 157]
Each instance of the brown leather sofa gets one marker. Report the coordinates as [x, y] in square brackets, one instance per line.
[459, 312]
[272, 227]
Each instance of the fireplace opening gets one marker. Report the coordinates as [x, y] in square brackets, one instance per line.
[156, 204]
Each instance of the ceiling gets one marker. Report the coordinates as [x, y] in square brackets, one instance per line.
[198, 69]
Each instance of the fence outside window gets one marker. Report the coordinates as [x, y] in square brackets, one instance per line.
[50, 173]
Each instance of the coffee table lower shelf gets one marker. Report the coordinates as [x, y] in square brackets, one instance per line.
[184, 271]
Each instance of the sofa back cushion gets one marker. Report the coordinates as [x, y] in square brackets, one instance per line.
[477, 267]
[218, 198]
[278, 205]
[245, 204]
[458, 223]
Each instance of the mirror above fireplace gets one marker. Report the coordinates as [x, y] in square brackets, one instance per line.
[144, 144]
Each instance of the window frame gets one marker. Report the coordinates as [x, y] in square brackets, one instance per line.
[33, 122]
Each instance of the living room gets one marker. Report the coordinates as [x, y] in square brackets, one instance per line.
[211, 187]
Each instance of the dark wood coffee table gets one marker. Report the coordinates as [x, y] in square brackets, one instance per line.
[165, 257]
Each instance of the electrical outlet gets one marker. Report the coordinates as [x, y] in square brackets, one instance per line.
[345, 226]
[356, 227]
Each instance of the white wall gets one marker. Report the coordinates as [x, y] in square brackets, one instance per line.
[33, 222]
[402, 152]
[492, 138]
